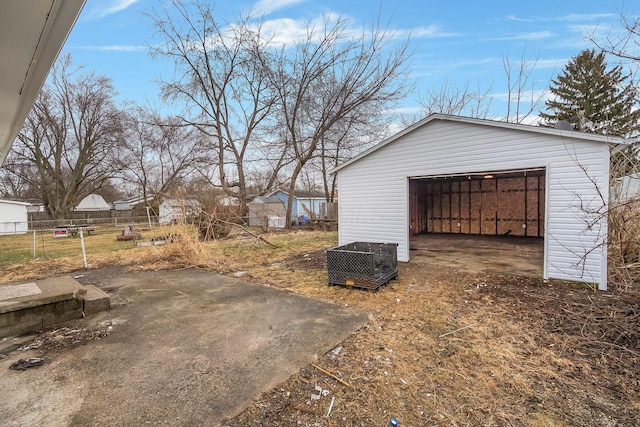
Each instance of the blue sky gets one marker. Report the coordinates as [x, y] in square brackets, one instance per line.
[453, 42]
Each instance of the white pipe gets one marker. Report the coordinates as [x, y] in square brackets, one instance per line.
[84, 254]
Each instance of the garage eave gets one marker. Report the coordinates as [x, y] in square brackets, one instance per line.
[34, 32]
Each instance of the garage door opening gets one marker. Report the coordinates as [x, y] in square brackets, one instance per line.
[498, 218]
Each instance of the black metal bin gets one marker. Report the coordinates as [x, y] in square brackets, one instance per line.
[362, 264]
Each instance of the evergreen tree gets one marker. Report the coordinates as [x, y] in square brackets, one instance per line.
[598, 101]
[593, 99]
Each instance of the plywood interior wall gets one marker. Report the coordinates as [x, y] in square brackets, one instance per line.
[505, 204]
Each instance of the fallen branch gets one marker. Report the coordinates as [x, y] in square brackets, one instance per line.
[234, 224]
[332, 376]
[458, 330]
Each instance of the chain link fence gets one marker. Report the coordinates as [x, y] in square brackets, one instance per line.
[64, 238]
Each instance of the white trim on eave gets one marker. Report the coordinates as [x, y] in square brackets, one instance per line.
[13, 202]
[51, 36]
[483, 122]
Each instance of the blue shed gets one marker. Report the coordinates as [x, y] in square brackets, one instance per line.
[304, 203]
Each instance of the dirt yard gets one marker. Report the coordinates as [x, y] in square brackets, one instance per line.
[445, 347]
[527, 352]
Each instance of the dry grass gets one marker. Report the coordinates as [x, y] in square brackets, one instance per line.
[509, 368]
[533, 353]
[624, 244]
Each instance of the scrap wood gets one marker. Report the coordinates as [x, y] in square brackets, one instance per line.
[332, 376]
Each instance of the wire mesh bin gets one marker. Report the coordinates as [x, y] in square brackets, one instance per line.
[362, 264]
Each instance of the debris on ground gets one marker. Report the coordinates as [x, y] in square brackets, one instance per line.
[60, 338]
[24, 364]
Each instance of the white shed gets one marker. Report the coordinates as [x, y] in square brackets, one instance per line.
[174, 210]
[92, 203]
[450, 174]
[625, 188]
[13, 217]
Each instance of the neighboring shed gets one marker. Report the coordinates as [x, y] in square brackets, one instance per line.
[174, 210]
[304, 203]
[132, 202]
[449, 174]
[13, 217]
[266, 211]
[625, 188]
[93, 202]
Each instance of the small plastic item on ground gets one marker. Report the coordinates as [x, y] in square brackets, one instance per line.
[24, 364]
[393, 422]
[317, 396]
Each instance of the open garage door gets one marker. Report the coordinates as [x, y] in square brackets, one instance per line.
[492, 221]
[490, 203]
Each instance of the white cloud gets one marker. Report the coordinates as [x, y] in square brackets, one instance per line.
[517, 19]
[535, 35]
[430, 32]
[549, 63]
[268, 6]
[113, 6]
[527, 96]
[289, 30]
[285, 31]
[571, 17]
[116, 48]
[406, 111]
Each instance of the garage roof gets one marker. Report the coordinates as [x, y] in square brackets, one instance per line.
[484, 122]
[33, 32]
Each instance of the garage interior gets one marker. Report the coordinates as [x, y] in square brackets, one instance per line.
[479, 221]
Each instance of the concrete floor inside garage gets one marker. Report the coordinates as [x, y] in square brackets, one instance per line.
[503, 254]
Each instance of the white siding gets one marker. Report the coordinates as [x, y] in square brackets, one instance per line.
[13, 217]
[374, 189]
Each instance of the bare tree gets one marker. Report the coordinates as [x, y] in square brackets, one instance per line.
[327, 78]
[158, 153]
[16, 179]
[453, 100]
[624, 44]
[225, 89]
[523, 99]
[67, 137]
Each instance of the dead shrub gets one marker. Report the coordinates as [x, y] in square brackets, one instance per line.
[624, 244]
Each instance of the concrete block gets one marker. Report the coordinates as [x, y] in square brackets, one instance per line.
[60, 300]
[95, 300]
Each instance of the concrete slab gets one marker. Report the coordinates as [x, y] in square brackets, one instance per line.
[16, 291]
[502, 254]
[184, 348]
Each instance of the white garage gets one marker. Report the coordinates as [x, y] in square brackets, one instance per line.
[459, 175]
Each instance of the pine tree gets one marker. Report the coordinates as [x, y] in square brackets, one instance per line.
[597, 101]
[593, 99]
